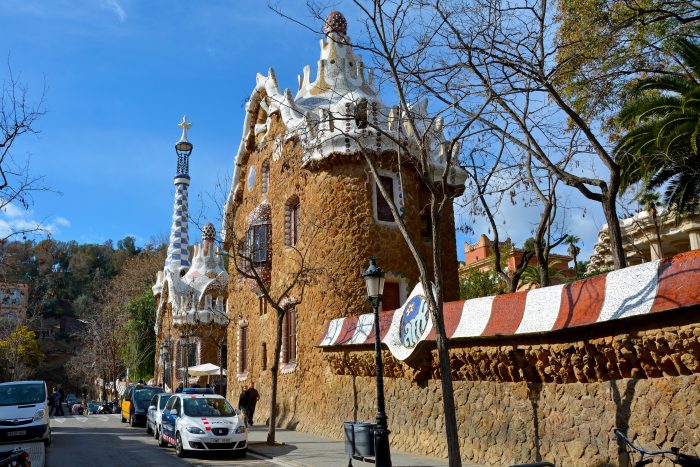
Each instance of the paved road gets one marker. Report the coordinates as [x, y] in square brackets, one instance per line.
[101, 440]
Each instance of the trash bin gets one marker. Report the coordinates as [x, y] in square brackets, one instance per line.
[364, 438]
[349, 438]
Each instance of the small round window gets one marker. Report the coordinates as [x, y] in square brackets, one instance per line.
[251, 178]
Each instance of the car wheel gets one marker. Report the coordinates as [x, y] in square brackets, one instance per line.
[132, 422]
[179, 450]
[156, 432]
[47, 441]
[148, 428]
[161, 442]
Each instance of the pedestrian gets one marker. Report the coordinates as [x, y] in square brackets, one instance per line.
[179, 388]
[243, 402]
[63, 394]
[58, 407]
[253, 398]
[52, 404]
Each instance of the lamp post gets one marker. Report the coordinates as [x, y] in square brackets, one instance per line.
[186, 357]
[165, 363]
[374, 280]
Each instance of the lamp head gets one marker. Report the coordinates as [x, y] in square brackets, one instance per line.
[374, 279]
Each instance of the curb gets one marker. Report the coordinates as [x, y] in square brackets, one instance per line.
[261, 455]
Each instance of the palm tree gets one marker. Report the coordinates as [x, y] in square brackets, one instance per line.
[663, 123]
[573, 249]
[531, 275]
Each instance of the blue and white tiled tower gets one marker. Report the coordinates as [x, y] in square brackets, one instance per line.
[178, 255]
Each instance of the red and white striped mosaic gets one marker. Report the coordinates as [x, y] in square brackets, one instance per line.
[648, 288]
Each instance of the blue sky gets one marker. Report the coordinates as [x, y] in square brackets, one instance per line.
[120, 74]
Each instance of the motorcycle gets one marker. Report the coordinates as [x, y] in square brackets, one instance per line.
[106, 408]
[17, 457]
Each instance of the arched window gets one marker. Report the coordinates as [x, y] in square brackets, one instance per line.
[265, 176]
[361, 113]
[291, 221]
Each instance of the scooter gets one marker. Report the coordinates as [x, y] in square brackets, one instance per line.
[106, 408]
[15, 458]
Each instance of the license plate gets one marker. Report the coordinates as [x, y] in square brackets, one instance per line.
[16, 433]
[220, 440]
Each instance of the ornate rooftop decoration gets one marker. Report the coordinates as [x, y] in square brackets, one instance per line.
[209, 232]
[337, 112]
[335, 22]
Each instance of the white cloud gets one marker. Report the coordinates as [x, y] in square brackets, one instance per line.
[116, 8]
[12, 211]
[14, 219]
[62, 221]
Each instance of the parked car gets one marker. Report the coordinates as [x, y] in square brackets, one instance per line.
[24, 412]
[202, 422]
[71, 399]
[135, 403]
[155, 413]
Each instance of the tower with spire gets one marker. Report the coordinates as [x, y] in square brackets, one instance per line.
[178, 254]
[190, 292]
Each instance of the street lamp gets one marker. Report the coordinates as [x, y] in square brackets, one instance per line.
[165, 362]
[186, 357]
[374, 280]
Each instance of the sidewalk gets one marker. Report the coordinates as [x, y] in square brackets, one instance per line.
[301, 449]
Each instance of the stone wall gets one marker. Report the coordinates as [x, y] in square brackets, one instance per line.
[338, 233]
[503, 422]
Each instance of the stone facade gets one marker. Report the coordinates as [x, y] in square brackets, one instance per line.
[14, 298]
[648, 236]
[190, 292]
[552, 393]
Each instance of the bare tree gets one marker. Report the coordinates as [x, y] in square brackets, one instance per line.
[18, 117]
[503, 53]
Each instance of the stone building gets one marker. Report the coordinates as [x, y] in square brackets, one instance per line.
[479, 256]
[303, 201]
[540, 374]
[191, 294]
[14, 296]
[648, 237]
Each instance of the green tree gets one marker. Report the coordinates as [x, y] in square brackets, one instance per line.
[602, 44]
[139, 348]
[19, 354]
[475, 284]
[531, 275]
[660, 148]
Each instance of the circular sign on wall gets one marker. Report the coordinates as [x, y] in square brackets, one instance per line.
[410, 325]
[414, 320]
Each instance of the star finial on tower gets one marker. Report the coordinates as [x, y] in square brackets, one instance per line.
[185, 125]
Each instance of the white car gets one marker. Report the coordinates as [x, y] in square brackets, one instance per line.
[202, 422]
[155, 413]
[24, 412]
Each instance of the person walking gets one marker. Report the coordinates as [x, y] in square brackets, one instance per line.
[57, 405]
[244, 403]
[253, 398]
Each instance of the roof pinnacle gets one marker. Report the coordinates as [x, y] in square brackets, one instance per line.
[185, 125]
[335, 22]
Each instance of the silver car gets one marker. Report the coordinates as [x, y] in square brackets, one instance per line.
[155, 413]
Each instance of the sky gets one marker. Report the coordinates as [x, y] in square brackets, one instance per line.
[120, 74]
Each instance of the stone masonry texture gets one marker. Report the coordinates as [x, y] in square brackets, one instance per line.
[554, 397]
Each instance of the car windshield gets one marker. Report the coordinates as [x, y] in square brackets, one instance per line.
[163, 401]
[145, 395]
[208, 407]
[19, 394]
